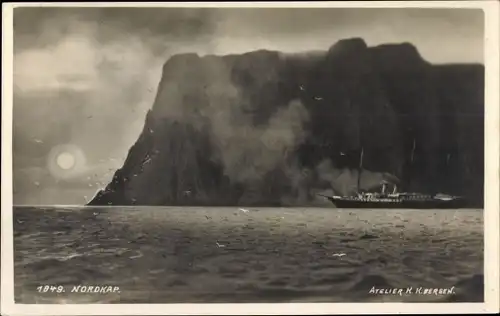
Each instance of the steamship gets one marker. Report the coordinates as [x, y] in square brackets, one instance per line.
[393, 199]
[396, 200]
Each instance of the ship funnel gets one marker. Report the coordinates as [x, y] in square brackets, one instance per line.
[384, 186]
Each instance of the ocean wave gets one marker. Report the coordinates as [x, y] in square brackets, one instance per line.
[178, 255]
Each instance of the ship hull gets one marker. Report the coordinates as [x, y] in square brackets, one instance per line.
[432, 204]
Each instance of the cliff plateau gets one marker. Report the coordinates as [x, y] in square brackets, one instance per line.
[272, 129]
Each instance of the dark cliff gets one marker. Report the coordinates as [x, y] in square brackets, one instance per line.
[264, 128]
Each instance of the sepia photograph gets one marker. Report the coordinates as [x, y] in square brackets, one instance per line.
[250, 154]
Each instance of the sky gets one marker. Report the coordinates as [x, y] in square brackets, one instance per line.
[84, 78]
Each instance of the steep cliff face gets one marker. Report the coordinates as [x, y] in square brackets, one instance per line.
[264, 128]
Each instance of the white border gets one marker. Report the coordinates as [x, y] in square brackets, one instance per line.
[491, 213]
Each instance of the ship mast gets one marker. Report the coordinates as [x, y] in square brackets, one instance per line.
[360, 168]
[360, 142]
[413, 150]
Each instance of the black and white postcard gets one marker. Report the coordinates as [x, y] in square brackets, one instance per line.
[189, 158]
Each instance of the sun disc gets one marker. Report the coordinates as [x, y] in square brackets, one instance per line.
[65, 160]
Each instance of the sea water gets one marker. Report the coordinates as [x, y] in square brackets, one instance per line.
[203, 254]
